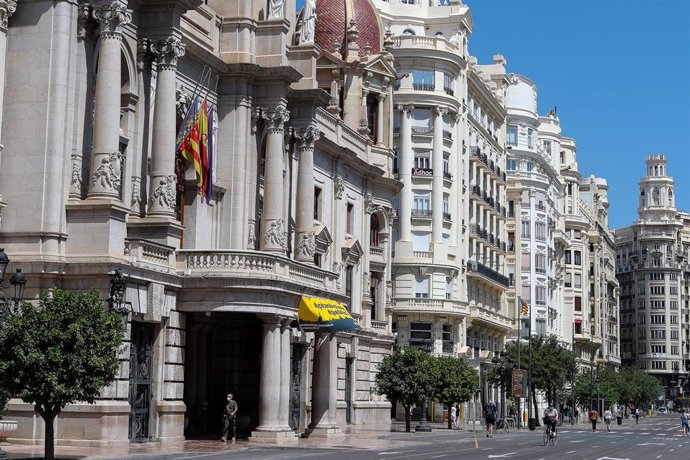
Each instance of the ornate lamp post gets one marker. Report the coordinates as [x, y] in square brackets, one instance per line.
[116, 299]
[18, 282]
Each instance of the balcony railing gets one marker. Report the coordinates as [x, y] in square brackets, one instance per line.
[376, 251]
[449, 91]
[487, 272]
[447, 135]
[447, 175]
[421, 213]
[423, 86]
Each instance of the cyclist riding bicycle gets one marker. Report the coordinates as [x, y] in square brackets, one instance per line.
[551, 416]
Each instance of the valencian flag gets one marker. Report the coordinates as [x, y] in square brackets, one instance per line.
[194, 143]
[524, 308]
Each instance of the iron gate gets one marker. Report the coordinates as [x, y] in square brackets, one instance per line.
[140, 366]
[348, 390]
[295, 385]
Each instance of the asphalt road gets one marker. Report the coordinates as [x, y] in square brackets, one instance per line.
[658, 437]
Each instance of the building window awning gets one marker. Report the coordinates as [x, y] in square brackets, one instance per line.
[317, 314]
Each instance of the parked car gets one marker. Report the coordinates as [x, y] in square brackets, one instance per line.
[663, 410]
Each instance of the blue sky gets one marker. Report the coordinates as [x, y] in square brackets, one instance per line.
[619, 72]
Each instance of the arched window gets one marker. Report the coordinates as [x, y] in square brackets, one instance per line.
[656, 196]
[374, 229]
[408, 31]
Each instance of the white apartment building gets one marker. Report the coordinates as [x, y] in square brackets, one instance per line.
[652, 266]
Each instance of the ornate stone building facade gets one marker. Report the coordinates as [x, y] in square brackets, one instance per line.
[301, 204]
[653, 268]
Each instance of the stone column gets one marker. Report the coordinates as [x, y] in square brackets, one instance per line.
[364, 121]
[284, 405]
[437, 181]
[270, 382]
[380, 119]
[304, 237]
[106, 160]
[406, 158]
[325, 384]
[163, 180]
[7, 8]
[352, 105]
[273, 229]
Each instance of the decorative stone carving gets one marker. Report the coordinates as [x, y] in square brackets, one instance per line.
[275, 118]
[135, 204]
[306, 245]
[392, 215]
[368, 203]
[184, 99]
[337, 267]
[108, 174]
[143, 53]
[7, 8]
[308, 22]
[168, 51]
[338, 187]
[84, 17]
[366, 281]
[251, 237]
[77, 183]
[113, 18]
[275, 9]
[163, 195]
[275, 233]
[307, 136]
[406, 109]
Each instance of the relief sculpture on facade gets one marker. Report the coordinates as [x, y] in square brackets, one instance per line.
[107, 175]
[306, 245]
[163, 193]
[275, 234]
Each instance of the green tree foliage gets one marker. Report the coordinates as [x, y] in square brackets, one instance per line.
[628, 385]
[58, 352]
[552, 367]
[455, 381]
[406, 376]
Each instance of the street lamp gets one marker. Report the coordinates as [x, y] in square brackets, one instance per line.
[116, 299]
[18, 282]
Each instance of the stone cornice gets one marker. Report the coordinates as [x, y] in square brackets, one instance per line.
[181, 6]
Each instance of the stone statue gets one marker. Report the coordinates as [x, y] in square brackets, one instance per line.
[275, 9]
[308, 22]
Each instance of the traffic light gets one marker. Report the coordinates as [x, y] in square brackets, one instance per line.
[525, 309]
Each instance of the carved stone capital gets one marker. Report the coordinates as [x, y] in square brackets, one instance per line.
[406, 109]
[113, 18]
[440, 111]
[275, 118]
[143, 53]
[307, 136]
[168, 51]
[7, 8]
[84, 18]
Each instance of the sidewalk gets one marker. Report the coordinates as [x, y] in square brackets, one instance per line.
[354, 437]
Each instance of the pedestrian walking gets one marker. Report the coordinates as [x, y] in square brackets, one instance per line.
[229, 417]
[637, 415]
[608, 415]
[577, 416]
[685, 423]
[457, 416]
[593, 416]
[453, 417]
[490, 418]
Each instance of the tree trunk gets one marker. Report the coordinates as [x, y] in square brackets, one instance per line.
[48, 414]
[408, 416]
[534, 402]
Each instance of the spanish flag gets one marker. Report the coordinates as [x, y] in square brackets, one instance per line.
[192, 135]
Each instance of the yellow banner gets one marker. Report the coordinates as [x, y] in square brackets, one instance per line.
[316, 313]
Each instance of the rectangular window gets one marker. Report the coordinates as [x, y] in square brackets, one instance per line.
[568, 257]
[658, 334]
[421, 204]
[674, 335]
[525, 229]
[422, 160]
[511, 165]
[578, 258]
[540, 230]
[578, 280]
[547, 147]
[448, 84]
[446, 165]
[421, 287]
[420, 336]
[511, 208]
[568, 280]
[449, 288]
[422, 119]
[578, 303]
[317, 203]
[423, 80]
[348, 281]
[350, 228]
[511, 135]
[530, 138]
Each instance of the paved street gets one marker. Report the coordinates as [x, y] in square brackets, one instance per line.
[657, 437]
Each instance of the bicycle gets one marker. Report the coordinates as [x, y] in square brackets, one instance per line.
[550, 435]
[505, 424]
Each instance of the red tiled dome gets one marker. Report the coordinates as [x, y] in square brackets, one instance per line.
[333, 18]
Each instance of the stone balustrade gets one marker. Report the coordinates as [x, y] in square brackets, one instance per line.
[416, 41]
[140, 250]
[238, 263]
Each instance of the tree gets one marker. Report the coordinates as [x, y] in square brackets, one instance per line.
[455, 381]
[406, 376]
[58, 352]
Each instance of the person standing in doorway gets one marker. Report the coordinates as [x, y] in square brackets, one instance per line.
[593, 416]
[229, 417]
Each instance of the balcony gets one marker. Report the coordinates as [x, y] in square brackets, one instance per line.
[540, 207]
[423, 86]
[423, 130]
[447, 216]
[253, 265]
[449, 91]
[444, 306]
[417, 41]
[421, 213]
[447, 135]
[486, 272]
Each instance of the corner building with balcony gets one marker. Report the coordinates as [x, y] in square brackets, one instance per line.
[301, 205]
[653, 268]
[450, 243]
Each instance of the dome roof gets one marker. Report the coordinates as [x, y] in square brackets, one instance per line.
[333, 19]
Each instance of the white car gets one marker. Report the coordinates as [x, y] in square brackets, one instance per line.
[663, 410]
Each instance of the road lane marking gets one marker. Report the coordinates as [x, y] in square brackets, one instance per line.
[571, 452]
[438, 456]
